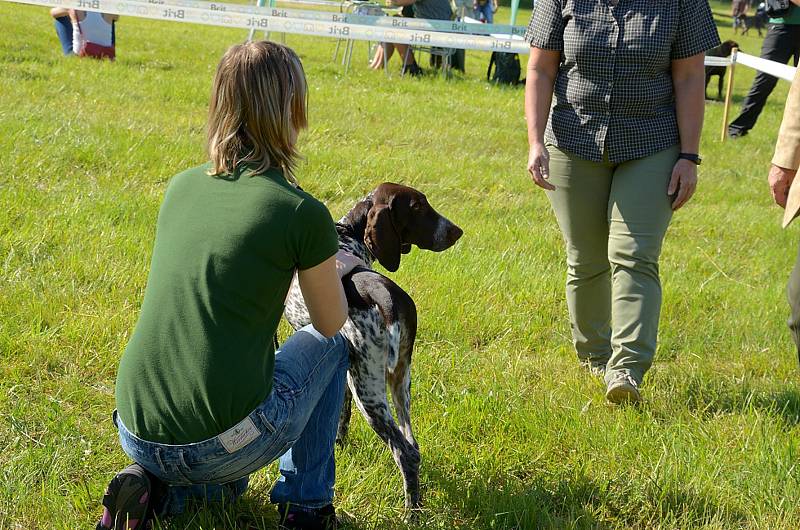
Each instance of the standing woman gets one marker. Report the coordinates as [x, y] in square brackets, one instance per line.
[203, 398]
[617, 156]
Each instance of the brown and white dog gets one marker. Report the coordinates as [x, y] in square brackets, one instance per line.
[382, 323]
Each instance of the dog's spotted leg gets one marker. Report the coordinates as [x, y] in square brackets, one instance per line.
[368, 385]
[400, 385]
[344, 417]
[406, 456]
[399, 377]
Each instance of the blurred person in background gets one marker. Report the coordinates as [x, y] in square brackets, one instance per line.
[785, 190]
[86, 33]
[484, 10]
[781, 43]
[429, 9]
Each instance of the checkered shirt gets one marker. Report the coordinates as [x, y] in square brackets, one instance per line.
[614, 90]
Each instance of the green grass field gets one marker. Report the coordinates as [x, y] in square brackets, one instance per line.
[513, 434]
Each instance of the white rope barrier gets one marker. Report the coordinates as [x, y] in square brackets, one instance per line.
[352, 26]
[469, 26]
[318, 28]
[781, 71]
[717, 61]
[446, 34]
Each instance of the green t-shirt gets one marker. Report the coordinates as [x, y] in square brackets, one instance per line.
[792, 18]
[201, 356]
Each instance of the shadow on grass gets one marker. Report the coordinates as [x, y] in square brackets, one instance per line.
[736, 100]
[574, 502]
[249, 513]
[713, 397]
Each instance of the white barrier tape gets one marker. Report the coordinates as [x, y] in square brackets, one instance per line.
[351, 18]
[328, 3]
[781, 71]
[212, 14]
[323, 3]
[717, 61]
[210, 17]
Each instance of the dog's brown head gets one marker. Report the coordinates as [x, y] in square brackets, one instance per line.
[401, 216]
[726, 48]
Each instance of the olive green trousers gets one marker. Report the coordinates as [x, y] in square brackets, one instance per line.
[613, 218]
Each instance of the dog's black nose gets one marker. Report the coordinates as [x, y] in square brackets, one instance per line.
[454, 233]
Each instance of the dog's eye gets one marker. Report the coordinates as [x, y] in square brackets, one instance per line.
[416, 205]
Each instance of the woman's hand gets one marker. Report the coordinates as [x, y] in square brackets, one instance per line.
[780, 180]
[683, 181]
[346, 262]
[539, 165]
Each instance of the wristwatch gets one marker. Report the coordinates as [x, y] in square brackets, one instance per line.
[691, 157]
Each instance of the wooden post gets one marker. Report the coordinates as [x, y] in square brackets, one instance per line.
[728, 94]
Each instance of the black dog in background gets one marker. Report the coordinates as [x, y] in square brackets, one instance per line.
[758, 21]
[723, 50]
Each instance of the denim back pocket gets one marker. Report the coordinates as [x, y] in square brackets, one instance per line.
[220, 466]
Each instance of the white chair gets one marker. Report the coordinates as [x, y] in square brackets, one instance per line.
[357, 7]
[434, 51]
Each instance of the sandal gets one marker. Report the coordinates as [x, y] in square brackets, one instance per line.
[126, 502]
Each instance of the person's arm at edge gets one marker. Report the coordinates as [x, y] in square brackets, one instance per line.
[323, 293]
[539, 84]
[688, 82]
[787, 148]
[324, 297]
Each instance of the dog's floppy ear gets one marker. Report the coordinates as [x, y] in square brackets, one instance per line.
[382, 238]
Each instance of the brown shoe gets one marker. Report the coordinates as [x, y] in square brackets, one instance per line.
[297, 518]
[623, 389]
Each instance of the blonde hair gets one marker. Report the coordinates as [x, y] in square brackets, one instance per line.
[258, 105]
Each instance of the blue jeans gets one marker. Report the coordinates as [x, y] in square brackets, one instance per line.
[64, 32]
[296, 422]
[486, 9]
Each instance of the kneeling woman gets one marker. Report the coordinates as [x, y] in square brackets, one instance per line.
[86, 33]
[203, 399]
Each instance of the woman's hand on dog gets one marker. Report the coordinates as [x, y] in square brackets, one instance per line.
[539, 165]
[683, 183]
[780, 180]
[346, 262]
